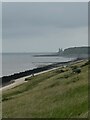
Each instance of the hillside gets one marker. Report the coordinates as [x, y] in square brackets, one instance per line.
[61, 93]
[77, 51]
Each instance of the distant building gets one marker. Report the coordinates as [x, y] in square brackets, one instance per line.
[60, 51]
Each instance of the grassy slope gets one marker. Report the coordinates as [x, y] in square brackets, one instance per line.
[49, 95]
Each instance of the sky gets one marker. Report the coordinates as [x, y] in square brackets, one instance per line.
[0, 28]
[45, 0]
[43, 27]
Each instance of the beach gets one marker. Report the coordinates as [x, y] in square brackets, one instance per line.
[18, 65]
[12, 82]
[49, 94]
[19, 62]
[22, 80]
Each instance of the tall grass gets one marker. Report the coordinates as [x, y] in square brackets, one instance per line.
[54, 94]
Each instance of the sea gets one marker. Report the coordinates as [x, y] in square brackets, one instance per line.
[18, 62]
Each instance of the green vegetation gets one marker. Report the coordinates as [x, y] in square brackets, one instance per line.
[76, 69]
[76, 51]
[60, 93]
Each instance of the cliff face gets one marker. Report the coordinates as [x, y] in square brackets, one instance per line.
[83, 52]
[77, 52]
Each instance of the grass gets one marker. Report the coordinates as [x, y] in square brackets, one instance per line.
[59, 93]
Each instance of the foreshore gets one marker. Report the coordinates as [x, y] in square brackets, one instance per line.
[22, 80]
[6, 80]
[49, 91]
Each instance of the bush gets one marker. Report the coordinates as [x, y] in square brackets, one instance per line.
[77, 70]
[87, 63]
[66, 76]
[60, 71]
[74, 67]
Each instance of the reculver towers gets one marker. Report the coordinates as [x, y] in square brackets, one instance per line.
[60, 51]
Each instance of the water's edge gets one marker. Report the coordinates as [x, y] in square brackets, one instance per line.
[10, 78]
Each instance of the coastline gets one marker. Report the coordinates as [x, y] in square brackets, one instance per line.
[61, 85]
[6, 80]
[22, 80]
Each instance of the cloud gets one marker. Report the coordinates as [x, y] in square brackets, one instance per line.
[37, 25]
[50, 41]
[45, 0]
[44, 14]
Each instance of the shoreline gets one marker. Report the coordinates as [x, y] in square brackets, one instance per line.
[22, 80]
[6, 80]
[61, 85]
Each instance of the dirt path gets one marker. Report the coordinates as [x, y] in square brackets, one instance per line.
[22, 80]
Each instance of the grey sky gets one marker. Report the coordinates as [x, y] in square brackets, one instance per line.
[45, 0]
[0, 28]
[42, 27]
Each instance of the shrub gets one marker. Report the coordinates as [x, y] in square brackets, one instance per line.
[66, 76]
[77, 70]
[60, 71]
[74, 67]
[87, 63]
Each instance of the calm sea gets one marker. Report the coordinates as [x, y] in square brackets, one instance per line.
[18, 62]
